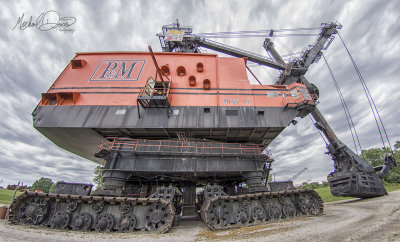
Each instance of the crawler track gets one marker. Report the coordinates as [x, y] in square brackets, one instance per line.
[102, 214]
[225, 212]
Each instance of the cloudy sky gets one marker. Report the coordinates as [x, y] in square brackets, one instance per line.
[30, 60]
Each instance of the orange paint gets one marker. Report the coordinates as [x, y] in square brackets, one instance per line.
[116, 78]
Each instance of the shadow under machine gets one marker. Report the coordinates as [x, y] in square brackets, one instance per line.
[183, 133]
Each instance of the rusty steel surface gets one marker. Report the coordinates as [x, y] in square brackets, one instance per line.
[100, 213]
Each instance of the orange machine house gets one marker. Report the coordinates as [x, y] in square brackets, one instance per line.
[103, 94]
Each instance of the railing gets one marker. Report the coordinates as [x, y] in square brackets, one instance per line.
[179, 147]
[155, 94]
[295, 105]
[156, 91]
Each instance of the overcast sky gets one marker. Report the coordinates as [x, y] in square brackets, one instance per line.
[30, 61]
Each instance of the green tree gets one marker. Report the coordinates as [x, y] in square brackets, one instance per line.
[42, 184]
[98, 176]
[376, 157]
[397, 145]
[313, 185]
[393, 177]
[53, 186]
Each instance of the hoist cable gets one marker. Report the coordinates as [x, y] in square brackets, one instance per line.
[260, 31]
[287, 48]
[369, 97]
[263, 68]
[345, 108]
[249, 35]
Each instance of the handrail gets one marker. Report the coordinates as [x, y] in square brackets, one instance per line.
[134, 145]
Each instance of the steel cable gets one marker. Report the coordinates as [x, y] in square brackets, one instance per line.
[369, 97]
[345, 108]
[259, 31]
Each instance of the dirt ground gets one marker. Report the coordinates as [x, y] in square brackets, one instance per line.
[375, 219]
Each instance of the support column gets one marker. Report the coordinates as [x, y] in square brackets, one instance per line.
[189, 201]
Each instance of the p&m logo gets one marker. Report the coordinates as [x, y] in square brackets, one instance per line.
[118, 70]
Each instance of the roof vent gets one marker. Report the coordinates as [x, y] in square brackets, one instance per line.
[78, 64]
[192, 81]
[206, 84]
[200, 67]
[180, 71]
[165, 70]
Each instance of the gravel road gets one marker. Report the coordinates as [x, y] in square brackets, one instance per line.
[376, 219]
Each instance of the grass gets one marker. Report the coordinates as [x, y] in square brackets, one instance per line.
[6, 196]
[326, 195]
[390, 187]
